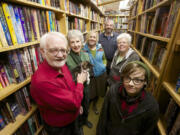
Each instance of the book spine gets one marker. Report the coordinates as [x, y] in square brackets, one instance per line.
[2, 37]
[9, 22]
[5, 27]
[18, 24]
[48, 21]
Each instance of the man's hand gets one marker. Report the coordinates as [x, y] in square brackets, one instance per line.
[81, 110]
[81, 78]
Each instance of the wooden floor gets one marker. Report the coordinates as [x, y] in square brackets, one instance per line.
[93, 118]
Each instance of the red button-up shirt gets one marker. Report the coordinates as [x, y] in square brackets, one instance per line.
[56, 94]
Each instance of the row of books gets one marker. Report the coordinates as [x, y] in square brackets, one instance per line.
[94, 16]
[95, 26]
[161, 22]
[75, 23]
[53, 3]
[152, 49]
[15, 104]
[146, 4]
[31, 126]
[17, 65]
[132, 25]
[23, 24]
[172, 118]
[78, 9]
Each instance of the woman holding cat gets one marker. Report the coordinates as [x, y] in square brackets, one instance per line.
[98, 60]
[74, 59]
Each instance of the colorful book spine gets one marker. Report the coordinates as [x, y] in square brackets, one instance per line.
[9, 22]
[27, 23]
[23, 24]
[48, 21]
[2, 37]
[31, 24]
[19, 26]
[5, 26]
[178, 85]
[34, 12]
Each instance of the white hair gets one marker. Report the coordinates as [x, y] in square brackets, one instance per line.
[50, 35]
[126, 36]
[75, 33]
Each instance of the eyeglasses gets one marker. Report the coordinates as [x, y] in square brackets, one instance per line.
[136, 81]
[55, 51]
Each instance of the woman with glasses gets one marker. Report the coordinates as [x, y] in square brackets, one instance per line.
[128, 108]
[74, 58]
[122, 56]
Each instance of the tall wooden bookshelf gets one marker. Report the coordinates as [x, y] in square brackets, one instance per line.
[148, 41]
[93, 19]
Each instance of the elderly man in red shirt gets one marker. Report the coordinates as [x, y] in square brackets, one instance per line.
[53, 89]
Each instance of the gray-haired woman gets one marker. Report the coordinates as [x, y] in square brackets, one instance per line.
[122, 56]
[75, 57]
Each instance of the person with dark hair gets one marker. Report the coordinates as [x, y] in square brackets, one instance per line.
[129, 109]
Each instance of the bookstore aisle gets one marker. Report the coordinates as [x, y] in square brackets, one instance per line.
[93, 118]
[22, 23]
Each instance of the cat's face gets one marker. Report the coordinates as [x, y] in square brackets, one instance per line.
[86, 65]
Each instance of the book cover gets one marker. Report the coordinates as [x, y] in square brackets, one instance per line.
[34, 12]
[178, 85]
[23, 24]
[2, 37]
[5, 26]
[27, 23]
[48, 21]
[33, 24]
[9, 22]
[17, 26]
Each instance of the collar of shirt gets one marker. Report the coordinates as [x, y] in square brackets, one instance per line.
[53, 72]
[109, 36]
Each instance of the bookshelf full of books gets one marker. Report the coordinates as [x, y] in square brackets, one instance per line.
[22, 23]
[155, 28]
[120, 21]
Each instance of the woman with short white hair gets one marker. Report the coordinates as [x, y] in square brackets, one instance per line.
[122, 56]
[75, 57]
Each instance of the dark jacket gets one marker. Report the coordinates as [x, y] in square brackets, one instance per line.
[116, 68]
[141, 121]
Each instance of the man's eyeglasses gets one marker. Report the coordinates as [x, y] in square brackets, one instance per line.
[55, 51]
[136, 81]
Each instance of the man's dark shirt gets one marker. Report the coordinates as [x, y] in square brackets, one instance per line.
[109, 44]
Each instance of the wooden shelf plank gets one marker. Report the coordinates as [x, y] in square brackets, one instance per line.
[74, 15]
[94, 21]
[155, 72]
[39, 130]
[163, 3]
[153, 37]
[171, 89]
[178, 42]
[18, 46]
[161, 128]
[12, 88]
[20, 119]
[37, 5]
